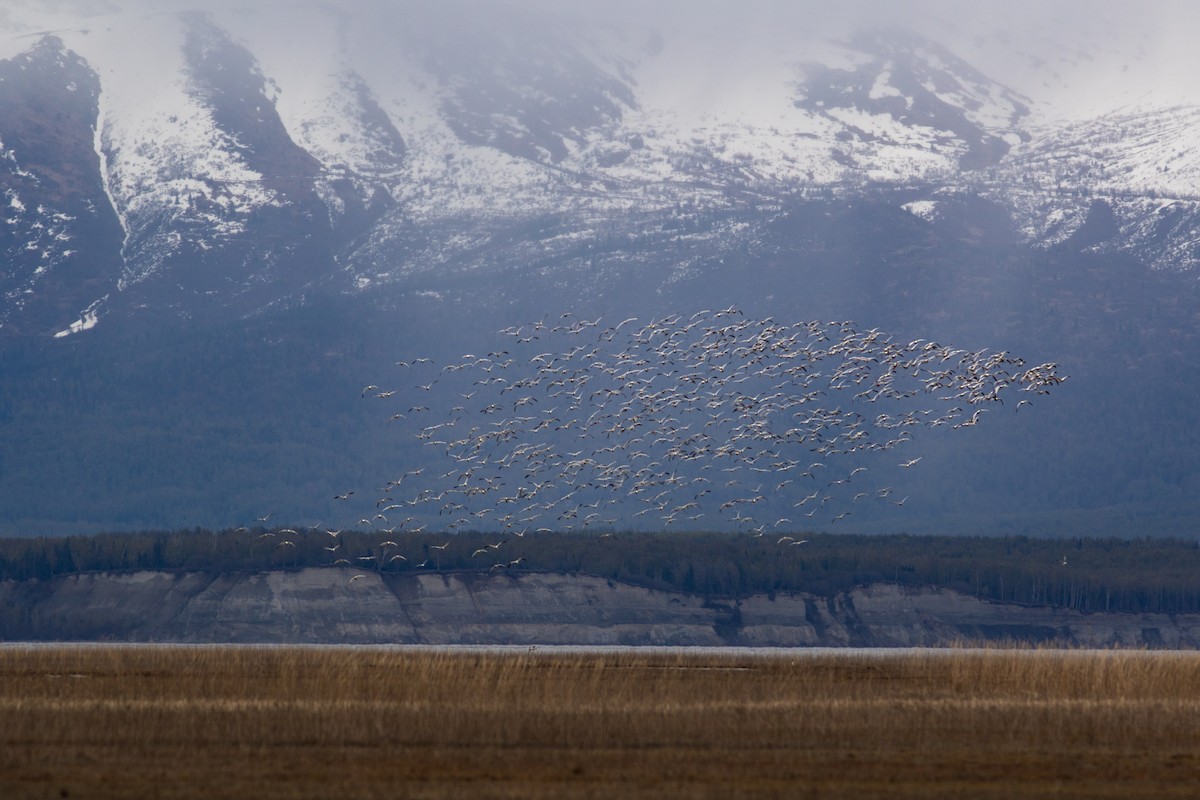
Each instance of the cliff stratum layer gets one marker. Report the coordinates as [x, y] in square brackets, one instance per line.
[330, 606]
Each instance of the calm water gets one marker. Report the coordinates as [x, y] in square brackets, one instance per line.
[732, 652]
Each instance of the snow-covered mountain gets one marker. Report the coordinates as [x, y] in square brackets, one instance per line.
[227, 156]
[1138, 169]
[229, 212]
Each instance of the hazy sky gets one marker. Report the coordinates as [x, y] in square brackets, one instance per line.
[1078, 40]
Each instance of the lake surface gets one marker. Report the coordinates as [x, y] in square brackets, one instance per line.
[718, 652]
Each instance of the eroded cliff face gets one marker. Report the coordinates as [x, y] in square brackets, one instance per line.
[333, 606]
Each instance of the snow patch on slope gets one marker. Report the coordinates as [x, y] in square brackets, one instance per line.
[1144, 165]
[86, 321]
[1144, 152]
[323, 103]
[923, 209]
[166, 162]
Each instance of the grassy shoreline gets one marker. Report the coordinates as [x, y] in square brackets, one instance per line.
[112, 721]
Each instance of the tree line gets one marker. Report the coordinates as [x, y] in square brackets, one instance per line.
[1087, 574]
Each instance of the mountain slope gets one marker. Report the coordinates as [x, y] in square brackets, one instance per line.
[58, 234]
[224, 167]
[234, 218]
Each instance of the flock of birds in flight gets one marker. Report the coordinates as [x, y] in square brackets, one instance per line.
[696, 422]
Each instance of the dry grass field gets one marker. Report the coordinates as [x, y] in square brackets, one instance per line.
[206, 722]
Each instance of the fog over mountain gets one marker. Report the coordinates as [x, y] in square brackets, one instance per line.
[1070, 56]
[220, 221]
